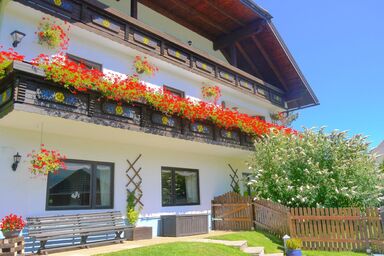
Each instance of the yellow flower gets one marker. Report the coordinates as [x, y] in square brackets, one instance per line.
[58, 2]
[59, 97]
[229, 134]
[106, 23]
[119, 110]
[164, 120]
[200, 128]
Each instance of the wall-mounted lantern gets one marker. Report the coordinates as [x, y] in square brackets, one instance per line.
[16, 161]
[17, 36]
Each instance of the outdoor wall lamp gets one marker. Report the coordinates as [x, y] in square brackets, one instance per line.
[16, 161]
[17, 36]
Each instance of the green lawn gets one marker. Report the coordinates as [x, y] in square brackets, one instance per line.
[181, 249]
[273, 244]
[270, 243]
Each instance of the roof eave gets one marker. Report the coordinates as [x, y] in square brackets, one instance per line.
[293, 62]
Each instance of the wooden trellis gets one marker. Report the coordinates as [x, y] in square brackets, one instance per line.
[134, 181]
[234, 178]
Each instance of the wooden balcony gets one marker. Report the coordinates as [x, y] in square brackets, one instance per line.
[98, 18]
[25, 89]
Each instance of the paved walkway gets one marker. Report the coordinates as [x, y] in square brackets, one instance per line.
[135, 244]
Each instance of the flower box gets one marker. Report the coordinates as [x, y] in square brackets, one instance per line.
[138, 233]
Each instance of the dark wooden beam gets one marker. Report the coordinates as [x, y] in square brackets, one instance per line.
[269, 61]
[239, 34]
[134, 9]
[233, 55]
[248, 60]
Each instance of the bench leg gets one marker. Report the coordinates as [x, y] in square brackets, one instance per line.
[118, 236]
[83, 239]
[42, 247]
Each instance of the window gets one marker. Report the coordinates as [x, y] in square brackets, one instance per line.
[87, 63]
[174, 91]
[260, 117]
[83, 185]
[179, 186]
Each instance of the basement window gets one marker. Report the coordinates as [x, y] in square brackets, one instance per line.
[179, 186]
[82, 185]
[87, 63]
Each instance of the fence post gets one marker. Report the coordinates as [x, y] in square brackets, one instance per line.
[212, 215]
[289, 220]
[253, 214]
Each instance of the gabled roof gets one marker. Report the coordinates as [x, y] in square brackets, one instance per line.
[243, 25]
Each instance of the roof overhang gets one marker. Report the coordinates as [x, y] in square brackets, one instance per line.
[243, 25]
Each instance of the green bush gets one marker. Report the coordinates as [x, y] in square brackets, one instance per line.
[316, 169]
[294, 244]
[132, 213]
[133, 216]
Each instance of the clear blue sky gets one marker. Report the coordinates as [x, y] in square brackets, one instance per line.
[339, 46]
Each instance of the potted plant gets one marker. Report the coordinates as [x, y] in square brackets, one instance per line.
[142, 65]
[46, 161]
[135, 233]
[11, 225]
[52, 35]
[294, 247]
[211, 93]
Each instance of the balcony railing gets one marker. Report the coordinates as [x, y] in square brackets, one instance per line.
[25, 89]
[98, 18]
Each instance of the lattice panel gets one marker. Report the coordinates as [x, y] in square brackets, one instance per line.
[134, 181]
[234, 179]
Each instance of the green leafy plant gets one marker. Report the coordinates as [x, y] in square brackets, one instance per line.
[294, 244]
[132, 213]
[316, 169]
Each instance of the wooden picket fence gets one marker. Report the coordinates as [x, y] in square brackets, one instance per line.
[232, 212]
[271, 217]
[337, 229]
[333, 229]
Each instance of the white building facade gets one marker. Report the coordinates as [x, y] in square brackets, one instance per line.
[181, 173]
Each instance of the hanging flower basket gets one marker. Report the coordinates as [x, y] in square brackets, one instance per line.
[11, 225]
[143, 66]
[211, 93]
[46, 161]
[52, 35]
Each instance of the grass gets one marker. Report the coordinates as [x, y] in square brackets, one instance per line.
[270, 243]
[273, 244]
[180, 249]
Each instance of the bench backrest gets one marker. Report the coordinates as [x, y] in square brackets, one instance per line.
[39, 225]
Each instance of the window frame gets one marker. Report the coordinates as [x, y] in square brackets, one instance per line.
[180, 93]
[92, 205]
[86, 62]
[173, 191]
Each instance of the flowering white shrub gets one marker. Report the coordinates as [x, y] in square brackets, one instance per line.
[316, 169]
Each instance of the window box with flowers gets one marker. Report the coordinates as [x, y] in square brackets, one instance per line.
[11, 225]
[129, 89]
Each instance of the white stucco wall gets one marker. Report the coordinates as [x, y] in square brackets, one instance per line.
[25, 194]
[117, 57]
